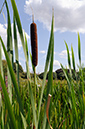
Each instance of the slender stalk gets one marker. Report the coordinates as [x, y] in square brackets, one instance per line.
[35, 85]
[35, 90]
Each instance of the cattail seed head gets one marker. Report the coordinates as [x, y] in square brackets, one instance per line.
[34, 45]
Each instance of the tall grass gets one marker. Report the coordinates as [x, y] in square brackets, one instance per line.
[12, 78]
[66, 109]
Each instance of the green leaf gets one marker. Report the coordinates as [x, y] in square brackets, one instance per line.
[49, 86]
[19, 26]
[1, 66]
[12, 77]
[16, 14]
[79, 49]
[73, 60]
[9, 36]
[69, 62]
[17, 18]
[16, 50]
[48, 58]
[8, 104]
[33, 105]
[65, 75]
[9, 50]
[31, 61]
[1, 112]
[24, 121]
[26, 45]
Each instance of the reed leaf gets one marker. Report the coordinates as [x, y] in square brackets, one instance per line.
[73, 59]
[24, 121]
[69, 62]
[49, 85]
[65, 75]
[26, 46]
[26, 49]
[16, 50]
[74, 107]
[31, 61]
[16, 14]
[33, 105]
[9, 36]
[1, 106]
[8, 104]
[48, 58]
[19, 26]
[9, 50]
[1, 66]
[79, 49]
[12, 76]
[71, 86]
[1, 112]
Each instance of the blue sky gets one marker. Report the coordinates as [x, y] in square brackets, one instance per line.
[69, 19]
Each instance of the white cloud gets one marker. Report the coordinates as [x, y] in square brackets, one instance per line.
[63, 54]
[68, 14]
[71, 3]
[42, 52]
[3, 34]
[56, 63]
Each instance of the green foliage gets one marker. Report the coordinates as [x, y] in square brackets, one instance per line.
[30, 95]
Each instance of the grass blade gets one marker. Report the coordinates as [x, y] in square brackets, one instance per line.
[19, 26]
[69, 62]
[1, 66]
[49, 85]
[16, 50]
[79, 49]
[17, 18]
[12, 76]
[31, 61]
[73, 60]
[46, 64]
[27, 60]
[26, 46]
[9, 50]
[1, 113]
[9, 35]
[24, 121]
[16, 14]
[8, 104]
[33, 105]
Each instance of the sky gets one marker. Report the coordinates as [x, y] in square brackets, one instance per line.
[69, 19]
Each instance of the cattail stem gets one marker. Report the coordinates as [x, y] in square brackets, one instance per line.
[35, 85]
[32, 17]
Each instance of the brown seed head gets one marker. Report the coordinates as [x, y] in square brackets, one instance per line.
[34, 45]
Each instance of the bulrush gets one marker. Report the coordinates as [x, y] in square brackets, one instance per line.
[34, 44]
